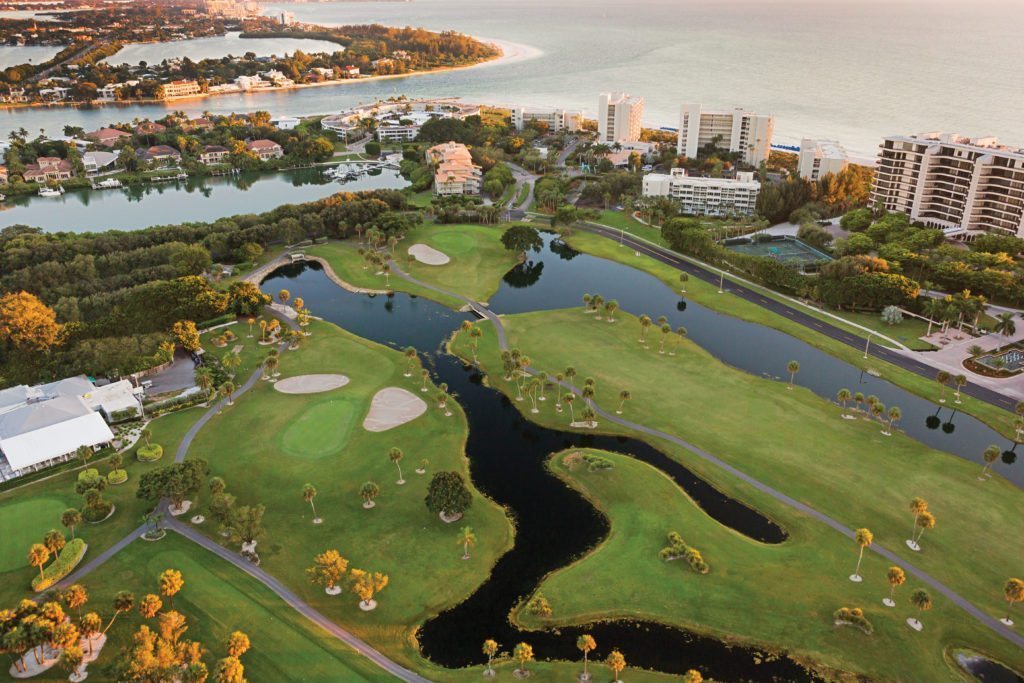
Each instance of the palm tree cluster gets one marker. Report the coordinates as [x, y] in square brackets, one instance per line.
[45, 631]
[330, 569]
[956, 309]
[875, 408]
[523, 654]
[602, 309]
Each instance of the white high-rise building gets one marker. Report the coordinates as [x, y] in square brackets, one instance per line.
[818, 158]
[733, 130]
[619, 117]
[699, 196]
[960, 185]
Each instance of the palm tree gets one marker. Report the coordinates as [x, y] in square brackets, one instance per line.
[925, 521]
[568, 400]
[645, 322]
[531, 390]
[896, 578]
[624, 396]
[124, 601]
[386, 269]
[585, 644]
[69, 519]
[570, 375]
[90, 625]
[616, 662]
[597, 303]
[523, 653]
[864, 538]
[226, 390]
[858, 398]
[368, 492]
[308, 494]
[170, 583]
[960, 381]
[843, 396]
[792, 367]
[990, 455]
[922, 601]
[395, 455]
[877, 410]
[933, 308]
[542, 379]
[918, 506]
[680, 336]
[230, 361]
[424, 376]
[894, 416]
[587, 298]
[1013, 591]
[666, 329]
[683, 278]
[38, 556]
[1005, 325]
[410, 359]
[204, 379]
[467, 539]
[250, 322]
[474, 341]
[490, 649]
[610, 309]
[942, 377]
[263, 329]
[54, 542]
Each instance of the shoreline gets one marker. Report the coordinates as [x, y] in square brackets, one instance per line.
[507, 52]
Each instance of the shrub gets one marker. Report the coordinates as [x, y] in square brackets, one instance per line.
[219, 320]
[853, 616]
[117, 477]
[372, 148]
[90, 479]
[98, 511]
[596, 462]
[677, 548]
[69, 558]
[123, 415]
[150, 453]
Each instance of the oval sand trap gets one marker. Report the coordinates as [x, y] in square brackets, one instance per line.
[392, 407]
[428, 255]
[311, 384]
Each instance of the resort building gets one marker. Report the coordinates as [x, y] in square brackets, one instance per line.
[45, 424]
[819, 158]
[397, 121]
[963, 186]
[180, 89]
[619, 117]
[731, 130]
[557, 120]
[48, 168]
[265, 149]
[455, 173]
[699, 196]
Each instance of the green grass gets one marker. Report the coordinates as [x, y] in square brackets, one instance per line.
[28, 512]
[791, 440]
[421, 199]
[643, 505]
[399, 536]
[706, 294]
[252, 353]
[524, 192]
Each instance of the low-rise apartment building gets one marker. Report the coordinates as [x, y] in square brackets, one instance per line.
[819, 158]
[732, 130]
[455, 173]
[963, 186]
[180, 89]
[557, 120]
[700, 196]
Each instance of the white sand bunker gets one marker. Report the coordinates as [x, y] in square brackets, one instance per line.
[311, 384]
[428, 255]
[392, 407]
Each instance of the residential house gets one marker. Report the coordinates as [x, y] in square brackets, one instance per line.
[265, 149]
[160, 154]
[198, 124]
[149, 128]
[246, 83]
[46, 169]
[213, 154]
[97, 162]
[287, 123]
[108, 137]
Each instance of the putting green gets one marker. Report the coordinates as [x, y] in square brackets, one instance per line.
[453, 242]
[321, 430]
[25, 523]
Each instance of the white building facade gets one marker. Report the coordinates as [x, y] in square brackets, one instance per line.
[619, 117]
[557, 120]
[732, 130]
[699, 196]
[819, 158]
[963, 186]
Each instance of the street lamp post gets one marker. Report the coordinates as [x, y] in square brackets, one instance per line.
[867, 344]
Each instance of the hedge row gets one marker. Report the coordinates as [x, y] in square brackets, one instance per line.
[69, 558]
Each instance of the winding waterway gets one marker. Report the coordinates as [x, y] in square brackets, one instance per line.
[555, 525]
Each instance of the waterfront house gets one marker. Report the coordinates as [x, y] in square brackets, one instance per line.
[265, 149]
[246, 83]
[213, 154]
[46, 169]
[350, 71]
[164, 155]
[198, 124]
[149, 128]
[287, 123]
[96, 162]
[108, 137]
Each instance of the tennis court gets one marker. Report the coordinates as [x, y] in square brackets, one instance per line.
[789, 251]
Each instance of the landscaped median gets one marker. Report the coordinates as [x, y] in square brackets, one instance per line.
[69, 557]
[796, 443]
[706, 294]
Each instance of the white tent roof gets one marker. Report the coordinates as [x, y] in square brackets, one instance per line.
[43, 431]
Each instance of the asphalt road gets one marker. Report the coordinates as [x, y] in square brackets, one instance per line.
[670, 258]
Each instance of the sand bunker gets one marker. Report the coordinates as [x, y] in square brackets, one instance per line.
[428, 255]
[311, 384]
[391, 408]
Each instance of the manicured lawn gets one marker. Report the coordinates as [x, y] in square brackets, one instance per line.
[731, 600]
[478, 262]
[218, 599]
[795, 442]
[268, 445]
[28, 512]
[706, 294]
[421, 199]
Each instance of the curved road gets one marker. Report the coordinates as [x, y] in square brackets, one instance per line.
[671, 258]
[954, 597]
[278, 588]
